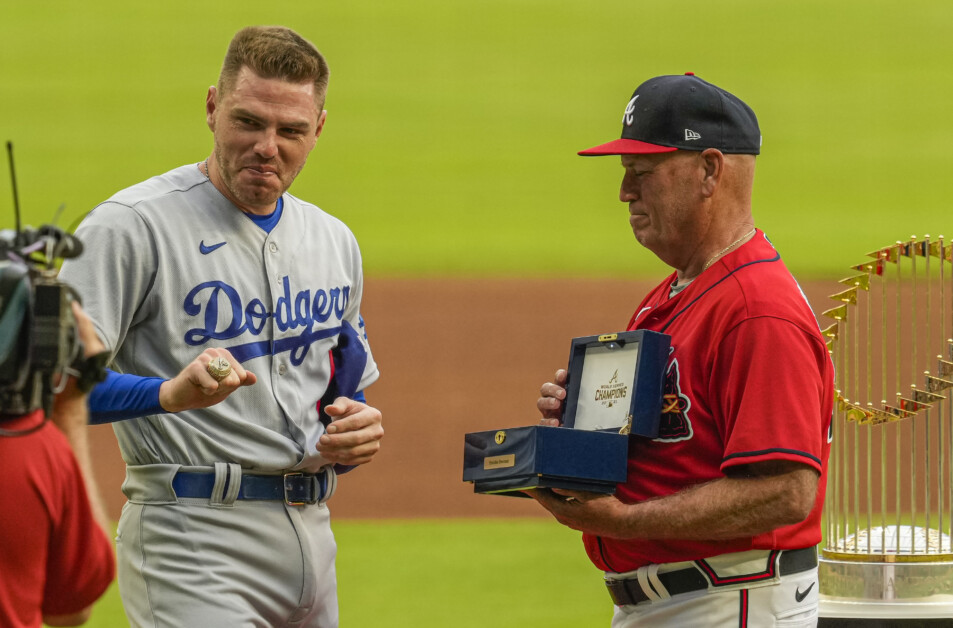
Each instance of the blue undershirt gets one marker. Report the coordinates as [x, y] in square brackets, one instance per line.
[126, 396]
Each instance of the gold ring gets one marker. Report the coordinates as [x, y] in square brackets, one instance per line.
[218, 368]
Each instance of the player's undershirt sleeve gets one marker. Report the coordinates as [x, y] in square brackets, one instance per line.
[124, 396]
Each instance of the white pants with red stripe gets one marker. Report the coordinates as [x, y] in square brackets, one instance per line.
[780, 604]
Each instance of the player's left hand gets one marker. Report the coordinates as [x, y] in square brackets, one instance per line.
[354, 436]
[552, 395]
[595, 513]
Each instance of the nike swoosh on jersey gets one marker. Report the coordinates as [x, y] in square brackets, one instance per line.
[800, 596]
[205, 250]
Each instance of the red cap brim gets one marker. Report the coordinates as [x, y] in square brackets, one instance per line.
[626, 147]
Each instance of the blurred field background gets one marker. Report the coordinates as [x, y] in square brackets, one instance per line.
[450, 151]
[452, 129]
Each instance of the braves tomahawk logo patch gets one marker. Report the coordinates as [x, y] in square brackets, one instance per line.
[675, 424]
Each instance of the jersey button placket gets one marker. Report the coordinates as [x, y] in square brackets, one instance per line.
[282, 368]
[273, 249]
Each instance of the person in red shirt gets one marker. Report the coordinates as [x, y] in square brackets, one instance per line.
[718, 521]
[56, 557]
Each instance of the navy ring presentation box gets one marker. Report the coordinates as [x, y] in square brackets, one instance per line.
[614, 391]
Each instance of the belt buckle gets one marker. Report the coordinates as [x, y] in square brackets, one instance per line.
[294, 495]
[618, 591]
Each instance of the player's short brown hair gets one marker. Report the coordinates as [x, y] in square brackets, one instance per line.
[275, 52]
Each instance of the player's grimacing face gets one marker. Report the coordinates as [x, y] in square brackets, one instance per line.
[661, 201]
[264, 130]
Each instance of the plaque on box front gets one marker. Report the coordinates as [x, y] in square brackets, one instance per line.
[614, 390]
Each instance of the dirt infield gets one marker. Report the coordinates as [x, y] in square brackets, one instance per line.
[456, 356]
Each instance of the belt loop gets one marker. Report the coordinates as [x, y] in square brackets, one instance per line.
[218, 486]
[234, 483]
[150, 484]
[228, 481]
[656, 583]
[644, 581]
[327, 482]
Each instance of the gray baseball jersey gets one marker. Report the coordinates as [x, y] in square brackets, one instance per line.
[173, 268]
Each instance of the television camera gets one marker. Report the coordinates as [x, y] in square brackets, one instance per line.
[39, 338]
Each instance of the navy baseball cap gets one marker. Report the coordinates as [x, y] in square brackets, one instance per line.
[683, 112]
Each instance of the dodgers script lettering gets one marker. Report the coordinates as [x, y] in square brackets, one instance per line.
[225, 315]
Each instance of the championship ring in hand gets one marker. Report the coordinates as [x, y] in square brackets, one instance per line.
[218, 368]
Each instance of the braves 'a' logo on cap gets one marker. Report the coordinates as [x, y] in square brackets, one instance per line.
[675, 424]
[629, 115]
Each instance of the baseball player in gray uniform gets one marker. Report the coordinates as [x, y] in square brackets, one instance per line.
[240, 358]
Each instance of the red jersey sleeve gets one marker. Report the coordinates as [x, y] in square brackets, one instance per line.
[769, 400]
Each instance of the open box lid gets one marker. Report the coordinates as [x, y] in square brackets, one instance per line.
[616, 382]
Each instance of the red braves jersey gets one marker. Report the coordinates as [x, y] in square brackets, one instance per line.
[749, 379]
[54, 558]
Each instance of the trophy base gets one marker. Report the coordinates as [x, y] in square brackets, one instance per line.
[898, 591]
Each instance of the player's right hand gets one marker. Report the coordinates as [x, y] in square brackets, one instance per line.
[194, 388]
[552, 396]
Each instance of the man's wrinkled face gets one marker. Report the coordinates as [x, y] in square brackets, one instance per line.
[662, 198]
[264, 130]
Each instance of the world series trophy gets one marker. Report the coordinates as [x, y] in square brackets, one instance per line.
[887, 554]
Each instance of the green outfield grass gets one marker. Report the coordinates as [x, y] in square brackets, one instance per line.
[466, 574]
[452, 130]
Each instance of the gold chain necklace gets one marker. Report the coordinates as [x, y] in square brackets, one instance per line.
[726, 249]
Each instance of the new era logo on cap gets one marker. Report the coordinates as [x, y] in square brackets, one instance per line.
[683, 112]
